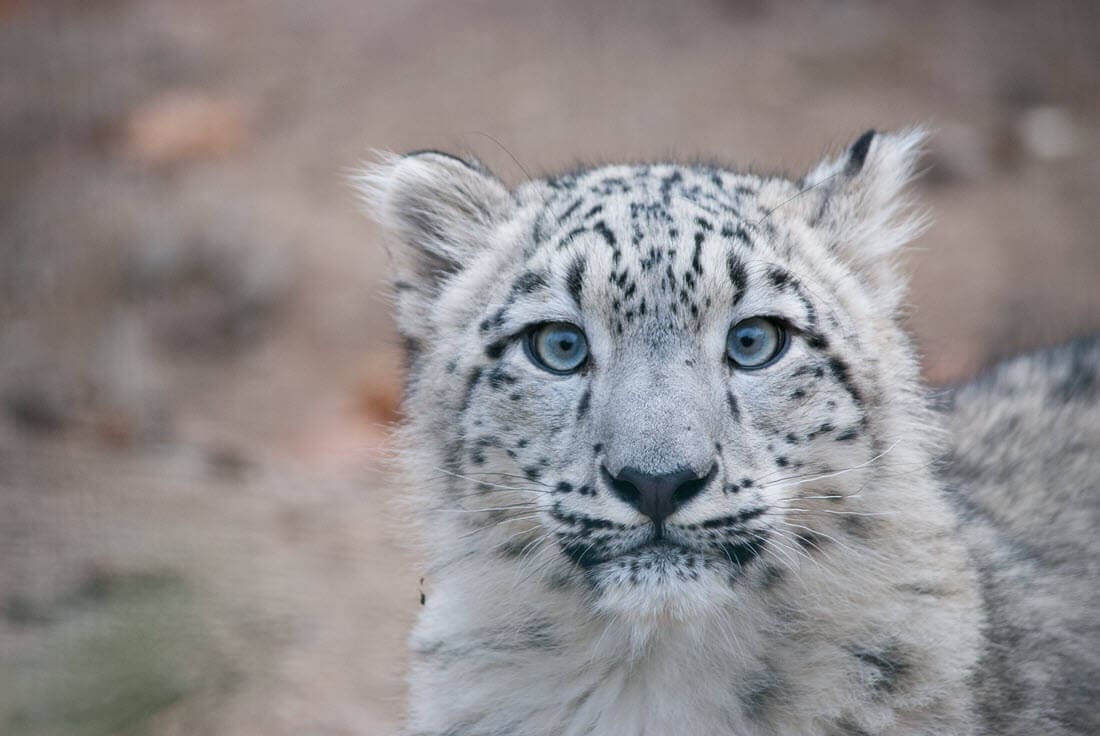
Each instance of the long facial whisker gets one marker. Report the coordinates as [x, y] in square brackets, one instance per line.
[834, 473]
[512, 536]
[480, 493]
[788, 552]
[838, 512]
[471, 479]
[816, 532]
[527, 505]
[473, 474]
[489, 527]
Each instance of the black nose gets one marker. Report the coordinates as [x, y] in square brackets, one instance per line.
[658, 496]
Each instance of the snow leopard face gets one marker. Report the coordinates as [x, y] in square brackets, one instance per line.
[651, 383]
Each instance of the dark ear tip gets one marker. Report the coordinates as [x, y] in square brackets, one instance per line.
[434, 152]
[470, 163]
[857, 154]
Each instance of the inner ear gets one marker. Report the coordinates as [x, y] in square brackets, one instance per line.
[860, 207]
[440, 211]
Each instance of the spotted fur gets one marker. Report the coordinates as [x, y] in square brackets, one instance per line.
[829, 578]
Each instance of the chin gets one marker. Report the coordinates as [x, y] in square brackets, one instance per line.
[662, 583]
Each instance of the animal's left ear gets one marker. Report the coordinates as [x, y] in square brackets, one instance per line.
[861, 207]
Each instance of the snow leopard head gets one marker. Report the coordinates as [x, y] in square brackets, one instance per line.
[665, 386]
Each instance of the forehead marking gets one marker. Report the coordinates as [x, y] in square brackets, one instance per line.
[574, 280]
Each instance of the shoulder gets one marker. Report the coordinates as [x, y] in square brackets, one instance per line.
[1025, 444]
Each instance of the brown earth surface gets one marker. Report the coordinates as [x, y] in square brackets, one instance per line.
[197, 369]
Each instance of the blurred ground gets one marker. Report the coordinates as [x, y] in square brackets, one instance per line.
[196, 366]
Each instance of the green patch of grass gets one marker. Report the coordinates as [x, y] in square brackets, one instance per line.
[107, 658]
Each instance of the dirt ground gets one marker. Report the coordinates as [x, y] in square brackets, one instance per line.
[197, 369]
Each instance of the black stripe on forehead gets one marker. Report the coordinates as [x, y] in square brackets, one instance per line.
[574, 279]
[738, 276]
[525, 283]
[570, 210]
[787, 282]
[737, 233]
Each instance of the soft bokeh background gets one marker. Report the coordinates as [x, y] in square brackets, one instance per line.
[196, 364]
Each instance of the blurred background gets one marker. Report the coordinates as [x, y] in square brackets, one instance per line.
[197, 368]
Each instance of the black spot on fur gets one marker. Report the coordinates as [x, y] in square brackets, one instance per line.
[696, 257]
[844, 727]
[472, 381]
[743, 552]
[496, 349]
[764, 690]
[528, 282]
[890, 665]
[582, 406]
[816, 340]
[808, 540]
[735, 410]
[499, 378]
[843, 374]
[601, 229]
[570, 210]
[857, 526]
[570, 236]
[778, 277]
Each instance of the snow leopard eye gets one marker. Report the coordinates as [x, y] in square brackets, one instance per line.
[557, 347]
[755, 342]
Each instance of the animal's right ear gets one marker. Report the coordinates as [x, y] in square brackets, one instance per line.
[441, 213]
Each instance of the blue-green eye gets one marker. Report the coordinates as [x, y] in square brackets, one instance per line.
[755, 342]
[558, 347]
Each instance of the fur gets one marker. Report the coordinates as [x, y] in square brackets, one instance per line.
[837, 576]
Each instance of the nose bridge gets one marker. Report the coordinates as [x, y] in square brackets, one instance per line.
[658, 422]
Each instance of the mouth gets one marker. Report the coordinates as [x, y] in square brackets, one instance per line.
[659, 551]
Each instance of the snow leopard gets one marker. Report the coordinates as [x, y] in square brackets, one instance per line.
[675, 471]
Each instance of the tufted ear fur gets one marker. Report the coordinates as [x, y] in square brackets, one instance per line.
[861, 206]
[441, 212]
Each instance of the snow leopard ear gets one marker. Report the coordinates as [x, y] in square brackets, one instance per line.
[861, 207]
[440, 212]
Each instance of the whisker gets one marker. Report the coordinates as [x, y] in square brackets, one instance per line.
[839, 512]
[479, 481]
[834, 473]
[795, 196]
[488, 509]
[489, 527]
[471, 475]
